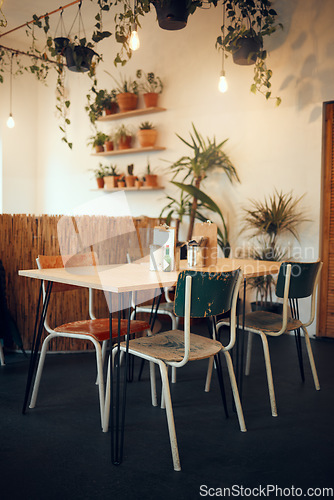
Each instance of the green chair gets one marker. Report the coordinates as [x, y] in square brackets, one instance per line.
[198, 295]
[296, 280]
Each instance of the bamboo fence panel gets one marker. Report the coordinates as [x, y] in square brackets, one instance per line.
[24, 237]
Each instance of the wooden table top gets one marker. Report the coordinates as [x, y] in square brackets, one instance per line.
[137, 276]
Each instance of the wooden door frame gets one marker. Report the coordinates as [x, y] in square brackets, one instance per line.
[327, 190]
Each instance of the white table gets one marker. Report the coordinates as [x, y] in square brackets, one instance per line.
[121, 280]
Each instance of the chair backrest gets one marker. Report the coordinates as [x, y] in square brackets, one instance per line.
[57, 261]
[211, 293]
[302, 280]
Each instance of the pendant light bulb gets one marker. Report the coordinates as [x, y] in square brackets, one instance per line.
[10, 121]
[222, 85]
[134, 43]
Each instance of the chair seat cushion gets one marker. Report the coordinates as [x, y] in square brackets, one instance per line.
[169, 346]
[99, 328]
[269, 322]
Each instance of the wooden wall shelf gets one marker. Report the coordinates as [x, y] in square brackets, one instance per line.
[129, 151]
[130, 114]
[143, 188]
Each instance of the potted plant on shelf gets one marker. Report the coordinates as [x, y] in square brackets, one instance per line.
[248, 24]
[123, 137]
[130, 178]
[111, 177]
[104, 101]
[138, 183]
[266, 222]
[147, 135]
[150, 179]
[109, 143]
[126, 93]
[121, 182]
[97, 141]
[151, 87]
[109, 102]
[99, 174]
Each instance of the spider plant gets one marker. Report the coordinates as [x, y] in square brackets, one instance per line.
[274, 216]
[266, 221]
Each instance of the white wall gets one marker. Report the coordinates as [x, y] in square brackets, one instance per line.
[19, 153]
[271, 147]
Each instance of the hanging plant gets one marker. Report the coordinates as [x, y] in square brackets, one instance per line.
[248, 23]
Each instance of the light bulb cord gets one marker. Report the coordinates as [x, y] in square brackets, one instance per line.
[11, 85]
[223, 32]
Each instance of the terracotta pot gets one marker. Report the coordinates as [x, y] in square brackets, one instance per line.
[112, 109]
[245, 52]
[99, 149]
[151, 180]
[126, 101]
[121, 184]
[100, 182]
[138, 184]
[125, 142]
[151, 99]
[110, 181]
[130, 180]
[147, 138]
[109, 145]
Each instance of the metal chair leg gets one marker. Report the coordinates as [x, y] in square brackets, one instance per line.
[311, 358]
[269, 374]
[221, 382]
[170, 416]
[235, 392]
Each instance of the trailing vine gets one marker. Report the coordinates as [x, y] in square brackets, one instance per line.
[255, 17]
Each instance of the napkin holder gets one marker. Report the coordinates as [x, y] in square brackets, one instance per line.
[207, 230]
[163, 237]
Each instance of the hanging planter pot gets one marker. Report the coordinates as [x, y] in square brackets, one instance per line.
[61, 42]
[171, 14]
[246, 51]
[78, 58]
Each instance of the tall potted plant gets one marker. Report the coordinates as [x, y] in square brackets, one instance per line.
[206, 154]
[266, 222]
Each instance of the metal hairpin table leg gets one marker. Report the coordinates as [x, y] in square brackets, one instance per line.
[118, 400]
[38, 330]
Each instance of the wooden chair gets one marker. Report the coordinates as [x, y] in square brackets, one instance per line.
[93, 330]
[295, 281]
[200, 295]
[165, 308]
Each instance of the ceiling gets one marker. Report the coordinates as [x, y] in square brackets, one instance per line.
[18, 12]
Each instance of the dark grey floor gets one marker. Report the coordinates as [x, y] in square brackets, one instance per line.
[57, 450]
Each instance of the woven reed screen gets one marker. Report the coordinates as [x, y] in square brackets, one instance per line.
[24, 237]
